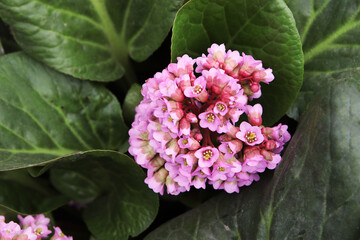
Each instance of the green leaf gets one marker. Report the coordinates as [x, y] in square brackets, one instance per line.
[263, 28]
[90, 39]
[21, 193]
[330, 33]
[315, 192]
[124, 205]
[45, 115]
[132, 99]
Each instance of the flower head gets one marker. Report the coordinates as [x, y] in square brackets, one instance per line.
[186, 130]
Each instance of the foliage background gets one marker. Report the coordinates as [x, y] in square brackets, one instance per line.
[70, 75]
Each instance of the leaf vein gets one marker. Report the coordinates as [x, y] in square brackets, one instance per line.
[80, 16]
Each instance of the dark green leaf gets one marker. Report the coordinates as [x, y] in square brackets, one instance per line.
[132, 99]
[263, 28]
[90, 39]
[124, 206]
[330, 33]
[21, 193]
[315, 192]
[45, 114]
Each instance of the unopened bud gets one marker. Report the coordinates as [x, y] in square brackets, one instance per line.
[195, 145]
[266, 154]
[225, 138]
[203, 96]
[233, 131]
[254, 86]
[258, 76]
[184, 82]
[267, 131]
[254, 114]
[238, 145]
[191, 117]
[198, 137]
[210, 63]
[184, 127]
[270, 145]
[177, 95]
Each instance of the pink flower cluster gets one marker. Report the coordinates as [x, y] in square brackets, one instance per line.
[184, 131]
[30, 228]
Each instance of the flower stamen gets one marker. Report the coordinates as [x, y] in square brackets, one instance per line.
[210, 117]
[197, 89]
[250, 137]
[207, 154]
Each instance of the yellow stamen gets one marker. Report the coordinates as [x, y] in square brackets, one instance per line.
[185, 141]
[221, 107]
[207, 154]
[221, 169]
[210, 117]
[229, 150]
[250, 137]
[197, 89]
[38, 231]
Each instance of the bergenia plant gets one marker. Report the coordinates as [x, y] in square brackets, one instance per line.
[185, 131]
[179, 119]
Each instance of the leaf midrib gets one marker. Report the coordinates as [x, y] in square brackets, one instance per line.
[328, 41]
[117, 42]
[55, 152]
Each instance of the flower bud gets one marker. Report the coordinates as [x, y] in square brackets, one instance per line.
[266, 154]
[254, 114]
[254, 86]
[184, 127]
[270, 145]
[191, 117]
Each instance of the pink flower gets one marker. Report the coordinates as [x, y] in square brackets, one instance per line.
[217, 52]
[251, 135]
[231, 186]
[220, 108]
[232, 61]
[249, 65]
[188, 143]
[157, 181]
[229, 149]
[197, 91]
[41, 220]
[59, 235]
[27, 221]
[41, 230]
[265, 76]
[209, 120]
[9, 230]
[220, 170]
[27, 234]
[207, 156]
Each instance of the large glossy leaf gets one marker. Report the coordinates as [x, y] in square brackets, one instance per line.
[21, 193]
[124, 205]
[45, 114]
[330, 33]
[90, 39]
[315, 192]
[263, 28]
